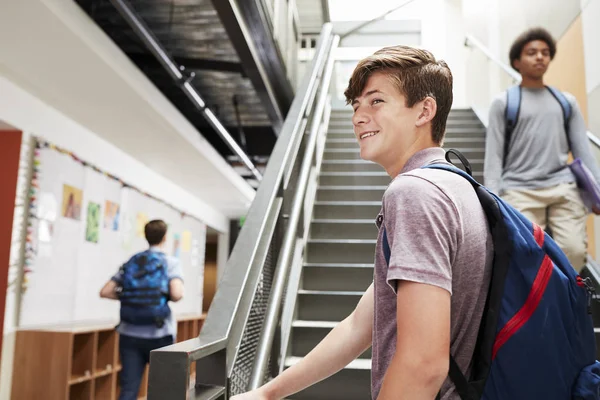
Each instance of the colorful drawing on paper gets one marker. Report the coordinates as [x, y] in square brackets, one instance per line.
[176, 245]
[93, 223]
[140, 224]
[186, 241]
[71, 206]
[111, 216]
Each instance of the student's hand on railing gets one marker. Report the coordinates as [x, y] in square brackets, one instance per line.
[253, 395]
[596, 210]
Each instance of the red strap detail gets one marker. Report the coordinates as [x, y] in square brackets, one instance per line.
[533, 300]
[538, 234]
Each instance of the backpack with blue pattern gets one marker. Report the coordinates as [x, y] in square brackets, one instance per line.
[144, 289]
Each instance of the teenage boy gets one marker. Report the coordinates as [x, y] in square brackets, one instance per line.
[427, 303]
[144, 285]
[531, 171]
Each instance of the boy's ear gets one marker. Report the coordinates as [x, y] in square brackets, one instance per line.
[516, 64]
[428, 108]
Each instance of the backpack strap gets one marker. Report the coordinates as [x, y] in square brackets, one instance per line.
[462, 159]
[457, 377]
[566, 109]
[511, 116]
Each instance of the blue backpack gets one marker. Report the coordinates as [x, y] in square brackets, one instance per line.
[513, 106]
[144, 289]
[536, 339]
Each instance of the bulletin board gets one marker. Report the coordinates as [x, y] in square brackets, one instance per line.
[83, 225]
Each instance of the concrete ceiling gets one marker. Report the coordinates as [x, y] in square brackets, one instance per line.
[52, 49]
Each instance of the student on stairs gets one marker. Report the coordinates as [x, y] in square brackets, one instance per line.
[426, 303]
[527, 149]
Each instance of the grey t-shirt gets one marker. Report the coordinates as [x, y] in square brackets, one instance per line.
[538, 155]
[438, 235]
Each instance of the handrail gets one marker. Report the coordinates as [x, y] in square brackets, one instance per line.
[470, 40]
[216, 350]
[283, 263]
[594, 139]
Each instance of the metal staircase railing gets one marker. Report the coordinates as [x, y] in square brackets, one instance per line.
[235, 350]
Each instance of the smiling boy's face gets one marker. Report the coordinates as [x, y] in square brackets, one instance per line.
[384, 127]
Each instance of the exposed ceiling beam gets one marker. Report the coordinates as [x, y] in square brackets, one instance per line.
[191, 63]
[249, 32]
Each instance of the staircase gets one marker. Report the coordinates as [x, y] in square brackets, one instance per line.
[339, 254]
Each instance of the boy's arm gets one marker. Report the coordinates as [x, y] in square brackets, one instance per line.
[420, 364]
[176, 289]
[494, 147]
[424, 237]
[108, 291]
[349, 339]
[175, 273]
[580, 144]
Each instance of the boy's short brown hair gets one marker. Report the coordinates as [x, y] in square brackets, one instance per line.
[417, 75]
[155, 232]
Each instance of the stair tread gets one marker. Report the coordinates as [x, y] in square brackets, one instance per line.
[359, 364]
[352, 187]
[354, 173]
[357, 150]
[344, 241]
[332, 292]
[338, 265]
[347, 203]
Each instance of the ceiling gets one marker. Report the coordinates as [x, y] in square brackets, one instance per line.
[193, 36]
[70, 64]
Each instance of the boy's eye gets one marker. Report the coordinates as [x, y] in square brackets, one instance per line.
[375, 101]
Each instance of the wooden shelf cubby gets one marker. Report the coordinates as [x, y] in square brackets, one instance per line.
[77, 362]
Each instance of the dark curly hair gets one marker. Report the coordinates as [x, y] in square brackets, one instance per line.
[529, 36]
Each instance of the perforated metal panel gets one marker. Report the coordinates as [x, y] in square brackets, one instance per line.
[243, 366]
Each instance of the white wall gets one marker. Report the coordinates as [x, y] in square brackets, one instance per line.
[32, 116]
[591, 40]
[435, 25]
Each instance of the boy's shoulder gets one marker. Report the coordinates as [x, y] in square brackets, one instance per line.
[426, 183]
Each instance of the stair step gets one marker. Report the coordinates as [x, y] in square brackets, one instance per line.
[354, 178]
[337, 265]
[350, 165]
[358, 293]
[348, 384]
[347, 209]
[346, 131]
[340, 251]
[350, 193]
[308, 335]
[343, 241]
[343, 228]
[337, 279]
[322, 305]
[336, 142]
[473, 151]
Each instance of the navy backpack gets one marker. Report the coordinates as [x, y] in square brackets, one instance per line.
[513, 106]
[536, 339]
[144, 289]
